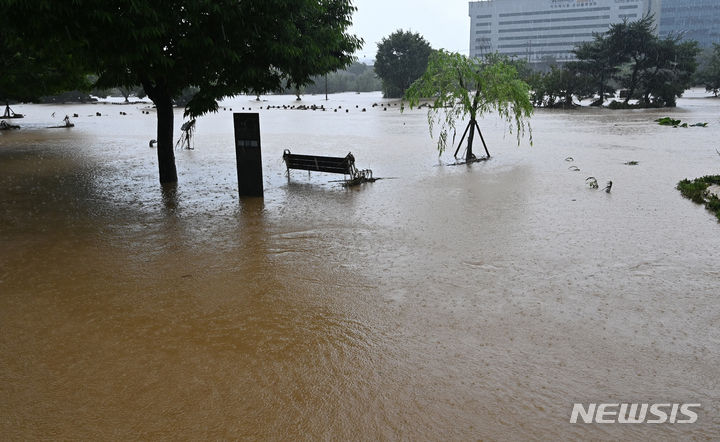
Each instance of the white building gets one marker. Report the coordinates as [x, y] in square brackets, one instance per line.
[537, 29]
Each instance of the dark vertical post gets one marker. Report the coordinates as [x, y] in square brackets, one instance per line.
[325, 87]
[247, 151]
[461, 140]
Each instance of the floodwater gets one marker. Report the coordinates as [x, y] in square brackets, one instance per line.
[442, 303]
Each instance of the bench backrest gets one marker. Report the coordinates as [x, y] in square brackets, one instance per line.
[317, 163]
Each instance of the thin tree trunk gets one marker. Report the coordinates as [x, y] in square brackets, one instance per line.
[602, 90]
[469, 155]
[165, 151]
[633, 83]
[461, 140]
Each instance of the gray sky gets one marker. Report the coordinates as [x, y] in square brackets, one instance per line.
[443, 23]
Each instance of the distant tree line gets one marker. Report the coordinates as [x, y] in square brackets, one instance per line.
[629, 57]
[358, 77]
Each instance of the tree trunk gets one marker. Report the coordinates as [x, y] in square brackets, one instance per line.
[469, 155]
[165, 151]
[633, 83]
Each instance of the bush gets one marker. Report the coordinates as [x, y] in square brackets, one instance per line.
[696, 191]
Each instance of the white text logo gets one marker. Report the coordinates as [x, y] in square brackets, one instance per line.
[634, 413]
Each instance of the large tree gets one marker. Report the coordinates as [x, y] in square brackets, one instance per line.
[598, 61]
[669, 72]
[461, 87]
[655, 71]
[30, 69]
[219, 47]
[559, 86]
[638, 47]
[402, 57]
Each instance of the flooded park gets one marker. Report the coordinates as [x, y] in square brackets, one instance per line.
[441, 302]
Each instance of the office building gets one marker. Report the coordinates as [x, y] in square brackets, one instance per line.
[692, 19]
[540, 29]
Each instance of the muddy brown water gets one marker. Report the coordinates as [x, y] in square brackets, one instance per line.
[446, 303]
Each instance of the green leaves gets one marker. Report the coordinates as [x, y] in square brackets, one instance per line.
[35, 63]
[655, 71]
[402, 57]
[458, 87]
[221, 47]
[697, 191]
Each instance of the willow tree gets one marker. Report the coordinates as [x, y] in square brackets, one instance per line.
[461, 87]
[219, 47]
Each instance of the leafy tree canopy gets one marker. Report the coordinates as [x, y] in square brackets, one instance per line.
[652, 70]
[402, 57]
[29, 70]
[461, 87]
[559, 86]
[635, 44]
[219, 47]
[668, 73]
[599, 60]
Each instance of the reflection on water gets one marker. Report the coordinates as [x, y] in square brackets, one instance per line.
[444, 303]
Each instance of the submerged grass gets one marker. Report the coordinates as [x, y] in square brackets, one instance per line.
[697, 191]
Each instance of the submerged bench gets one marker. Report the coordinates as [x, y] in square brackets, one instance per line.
[316, 163]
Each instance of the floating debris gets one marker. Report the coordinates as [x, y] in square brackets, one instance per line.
[667, 121]
[592, 182]
[7, 126]
[608, 186]
[67, 124]
[185, 141]
[574, 168]
[631, 163]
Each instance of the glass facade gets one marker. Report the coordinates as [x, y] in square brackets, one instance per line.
[538, 29]
[693, 19]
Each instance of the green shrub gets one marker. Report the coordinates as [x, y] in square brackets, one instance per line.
[696, 190]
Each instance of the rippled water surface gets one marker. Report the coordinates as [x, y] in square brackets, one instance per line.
[444, 302]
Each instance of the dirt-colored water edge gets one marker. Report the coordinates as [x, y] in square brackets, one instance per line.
[444, 303]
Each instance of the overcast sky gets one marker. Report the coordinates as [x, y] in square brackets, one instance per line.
[443, 23]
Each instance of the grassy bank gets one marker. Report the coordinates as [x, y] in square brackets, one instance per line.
[697, 190]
